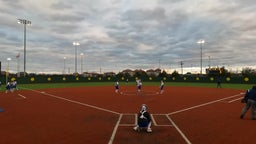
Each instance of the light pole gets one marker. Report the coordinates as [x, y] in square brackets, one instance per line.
[82, 54]
[18, 64]
[209, 61]
[76, 44]
[64, 69]
[201, 42]
[25, 23]
[7, 70]
[181, 66]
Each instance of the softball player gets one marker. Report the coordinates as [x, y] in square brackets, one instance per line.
[8, 87]
[116, 86]
[139, 84]
[162, 87]
[250, 102]
[13, 86]
[144, 119]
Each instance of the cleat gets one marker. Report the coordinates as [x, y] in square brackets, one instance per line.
[149, 130]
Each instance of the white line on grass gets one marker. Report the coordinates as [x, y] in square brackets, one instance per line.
[115, 129]
[177, 128]
[204, 104]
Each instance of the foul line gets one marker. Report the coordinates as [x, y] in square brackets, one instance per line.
[91, 106]
[235, 100]
[115, 130]
[204, 104]
[76, 102]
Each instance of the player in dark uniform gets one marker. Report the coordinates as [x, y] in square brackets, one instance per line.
[250, 100]
[219, 82]
[144, 119]
[8, 87]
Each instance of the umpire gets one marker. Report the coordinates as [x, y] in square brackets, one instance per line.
[250, 100]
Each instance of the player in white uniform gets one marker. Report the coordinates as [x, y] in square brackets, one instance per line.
[162, 87]
[116, 86]
[13, 86]
[139, 84]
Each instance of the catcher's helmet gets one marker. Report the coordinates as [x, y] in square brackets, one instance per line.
[143, 107]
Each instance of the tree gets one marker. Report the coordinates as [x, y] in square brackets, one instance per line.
[248, 71]
[140, 73]
[175, 74]
[163, 74]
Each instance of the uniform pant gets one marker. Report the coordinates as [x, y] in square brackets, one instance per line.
[250, 104]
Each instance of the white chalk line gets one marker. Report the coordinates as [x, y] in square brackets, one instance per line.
[115, 130]
[91, 106]
[204, 104]
[154, 121]
[22, 96]
[235, 100]
[177, 128]
[76, 102]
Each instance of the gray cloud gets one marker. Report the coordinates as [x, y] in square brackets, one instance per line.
[116, 35]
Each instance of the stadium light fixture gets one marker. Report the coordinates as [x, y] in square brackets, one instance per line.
[201, 42]
[76, 44]
[25, 23]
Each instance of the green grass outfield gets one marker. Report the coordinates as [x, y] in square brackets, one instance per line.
[63, 85]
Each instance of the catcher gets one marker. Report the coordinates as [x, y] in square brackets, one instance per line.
[144, 120]
[250, 102]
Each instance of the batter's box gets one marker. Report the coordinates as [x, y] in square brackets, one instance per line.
[128, 120]
[161, 120]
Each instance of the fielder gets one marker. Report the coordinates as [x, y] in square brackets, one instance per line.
[13, 86]
[144, 120]
[250, 100]
[117, 86]
[139, 84]
[8, 87]
[162, 87]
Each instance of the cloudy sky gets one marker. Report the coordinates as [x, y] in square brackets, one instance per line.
[119, 34]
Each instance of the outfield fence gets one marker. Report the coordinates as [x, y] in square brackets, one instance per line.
[79, 78]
